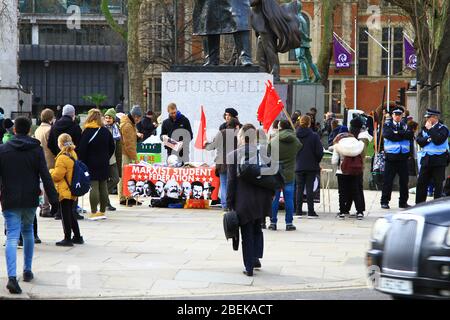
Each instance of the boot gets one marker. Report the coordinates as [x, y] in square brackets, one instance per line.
[242, 41]
[305, 76]
[211, 48]
[317, 76]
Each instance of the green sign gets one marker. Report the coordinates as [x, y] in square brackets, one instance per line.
[149, 148]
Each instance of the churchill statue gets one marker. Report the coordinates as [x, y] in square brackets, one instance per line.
[211, 18]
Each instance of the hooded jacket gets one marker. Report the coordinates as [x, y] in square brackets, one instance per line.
[345, 145]
[309, 157]
[62, 173]
[63, 125]
[285, 145]
[22, 166]
[96, 154]
[129, 137]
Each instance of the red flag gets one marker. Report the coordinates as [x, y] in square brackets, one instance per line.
[262, 105]
[272, 109]
[201, 135]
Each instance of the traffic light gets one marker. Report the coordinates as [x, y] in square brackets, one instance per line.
[401, 97]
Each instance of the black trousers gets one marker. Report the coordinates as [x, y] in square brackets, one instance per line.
[305, 178]
[392, 168]
[350, 190]
[69, 220]
[426, 175]
[252, 243]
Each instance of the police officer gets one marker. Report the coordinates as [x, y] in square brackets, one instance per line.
[433, 139]
[397, 140]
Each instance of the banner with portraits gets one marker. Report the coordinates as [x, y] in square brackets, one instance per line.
[145, 181]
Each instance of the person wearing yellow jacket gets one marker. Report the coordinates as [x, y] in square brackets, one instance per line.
[61, 174]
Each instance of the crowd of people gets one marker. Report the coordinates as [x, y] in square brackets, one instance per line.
[107, 142]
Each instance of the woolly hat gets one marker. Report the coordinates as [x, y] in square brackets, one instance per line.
[68, 110]
[136, 111]
[8, 124]
[111, 113]
[356, 123]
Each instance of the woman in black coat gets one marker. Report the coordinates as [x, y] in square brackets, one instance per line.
[307, 165]
[251, 203]
[95, 149]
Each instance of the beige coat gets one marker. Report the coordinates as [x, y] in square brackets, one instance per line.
[42, 133]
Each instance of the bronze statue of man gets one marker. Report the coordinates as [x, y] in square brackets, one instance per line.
[277, 28]
[211, 18]
[303, 53]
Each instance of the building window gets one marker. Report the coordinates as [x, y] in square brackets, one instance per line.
[25, 34]
[61, 6]
[154, 95]
[397, 51]
[363, 5]
[58, 34]
[363, 59]
[292, 56]
[333, 102]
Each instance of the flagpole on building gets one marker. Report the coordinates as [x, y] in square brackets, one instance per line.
[356, 66]
[356, 62]
[388, 51]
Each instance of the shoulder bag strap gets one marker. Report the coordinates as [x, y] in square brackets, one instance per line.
[95, 134]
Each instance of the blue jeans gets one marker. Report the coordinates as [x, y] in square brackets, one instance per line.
[17, 221]
[223, 190]
[288, 193]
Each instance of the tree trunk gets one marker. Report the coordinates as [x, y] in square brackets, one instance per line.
[324, 60]
[445, 97]
[134, 59]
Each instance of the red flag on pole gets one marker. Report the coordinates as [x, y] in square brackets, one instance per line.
[273, 107]
[262, 105]
[201, 135]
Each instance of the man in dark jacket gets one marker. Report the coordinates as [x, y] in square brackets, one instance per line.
[22, 165]
[397, 144]
[147, 126]
[171, 125]
[67, 125]
[308, 165]
[433, 139]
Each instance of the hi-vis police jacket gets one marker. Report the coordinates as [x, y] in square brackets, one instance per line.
[434, 143]
[397, 140]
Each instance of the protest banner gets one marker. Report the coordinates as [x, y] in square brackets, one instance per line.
[140, 180]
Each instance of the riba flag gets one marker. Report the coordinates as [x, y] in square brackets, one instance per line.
[410, 54]
[342, 57]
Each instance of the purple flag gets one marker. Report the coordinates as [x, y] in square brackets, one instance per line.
[410, 54]
[342, 57]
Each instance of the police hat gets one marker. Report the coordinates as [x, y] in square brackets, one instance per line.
[431, 112]
[397, 110]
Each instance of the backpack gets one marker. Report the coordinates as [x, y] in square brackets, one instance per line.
[81, 181]
[352, 166]
[249, 170]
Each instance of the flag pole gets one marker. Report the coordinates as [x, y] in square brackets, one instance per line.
[356, 68]
[288, 117]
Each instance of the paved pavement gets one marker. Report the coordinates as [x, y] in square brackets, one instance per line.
[144, 252]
